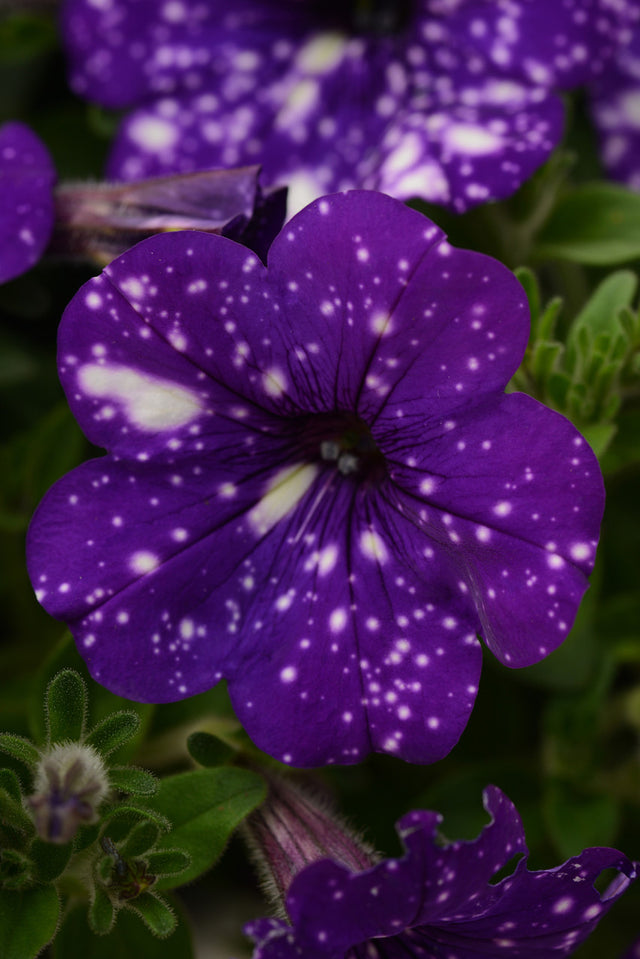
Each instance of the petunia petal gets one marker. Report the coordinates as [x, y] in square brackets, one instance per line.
[27, 178]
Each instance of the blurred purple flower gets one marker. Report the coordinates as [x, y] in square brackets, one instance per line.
[442, 899]
[27, 178]
[316, 487]
[451, 100]
[615, 105]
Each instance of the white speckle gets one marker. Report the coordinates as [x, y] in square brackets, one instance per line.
[122, 617]
[187, 629]
[143, 562]
[153, 134]
[580, 551]
[337, 620]
[274, 382]
[373, 547]
[179, 535]
[502, 509]
[288, 674]
[381, 324]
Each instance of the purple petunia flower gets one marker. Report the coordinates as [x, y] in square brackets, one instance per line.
[316, 487]
[27, 177]
[441, 899]
[451, 100]
[615, 104]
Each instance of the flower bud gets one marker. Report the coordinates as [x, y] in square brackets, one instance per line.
[293, 829]
[71, 782]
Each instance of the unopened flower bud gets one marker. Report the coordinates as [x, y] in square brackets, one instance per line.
[293, 829]
[99, 221]
[71, 782]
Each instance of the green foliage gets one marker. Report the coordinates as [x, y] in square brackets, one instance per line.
[205, 802]
[586, 376]
[129, 939]
[131, 781]
[28, 921]
[66, 707]
[113, 732]
[20, 748]
[595, 224]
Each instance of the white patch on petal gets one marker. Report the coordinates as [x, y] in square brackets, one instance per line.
[282, 495]
[323, 53]
[373, 546]
[153, 134]
[471, 139]
[149, 403]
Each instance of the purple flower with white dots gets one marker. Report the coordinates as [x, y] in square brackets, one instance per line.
[27, 178]
[439, 900]
[451, 100]
[615, 105]
[316, 487]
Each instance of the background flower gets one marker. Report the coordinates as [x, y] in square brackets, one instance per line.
[615, 105]
[27, 177]
[451, 100]
[442, 900]
[316, 487]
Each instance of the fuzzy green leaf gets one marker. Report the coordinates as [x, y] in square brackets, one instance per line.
[167, 862]
[50, 859]
[10, 782]
[595, 223]
[157, 915]
[205, 806]
[101, 912]
[13, 813]
[28, 921]
[113, 732]
[142, 837]
[131, 813]
[66, 707]
[130, 779]
[20, 748]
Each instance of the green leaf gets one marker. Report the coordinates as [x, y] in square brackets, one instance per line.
[28, 921]
[131, 813]
[167, 862]
[20, 748]
[13, 813]
[577, 821]
[101, 912]
[205, 806]
[11, 784]
[594, 224]
[50, 859]
[614, 293]
[113, 732]
[209, 750]
[141, 838]
[136, 782]
[16, 869]
[66, 707]
[129, 939]
[156, 914]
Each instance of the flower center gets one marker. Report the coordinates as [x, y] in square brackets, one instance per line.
[344, 440]
[368, 17]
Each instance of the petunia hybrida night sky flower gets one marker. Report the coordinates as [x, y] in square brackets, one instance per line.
[441, 899]
[27, 177]
[455, 101]
[316, 487]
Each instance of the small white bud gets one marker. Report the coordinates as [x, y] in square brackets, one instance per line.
[70, 784]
